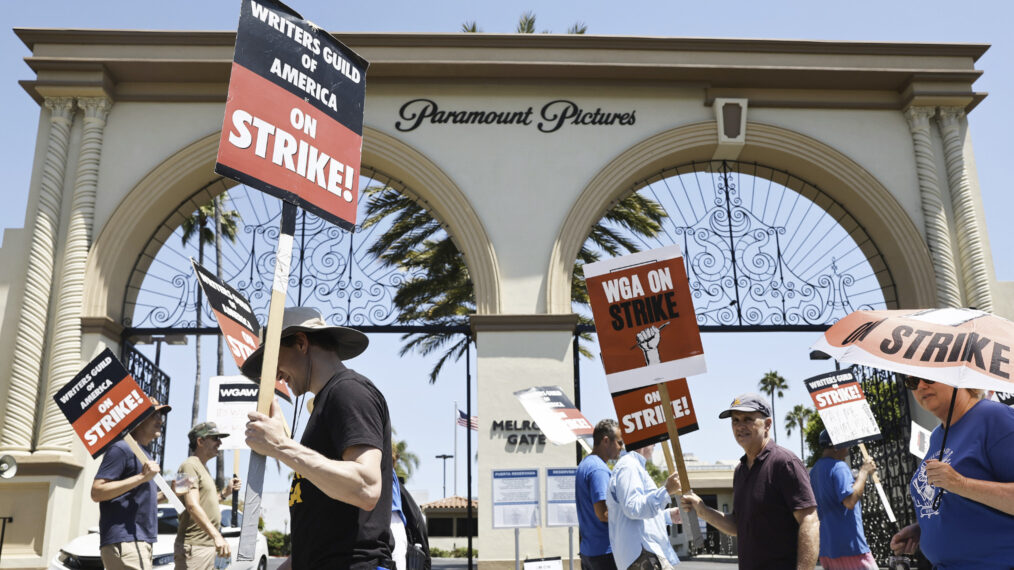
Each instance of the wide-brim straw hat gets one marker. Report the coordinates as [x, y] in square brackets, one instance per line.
[351, 343]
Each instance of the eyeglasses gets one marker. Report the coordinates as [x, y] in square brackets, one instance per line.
[912, 382]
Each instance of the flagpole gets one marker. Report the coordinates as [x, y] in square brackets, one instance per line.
[455, 448]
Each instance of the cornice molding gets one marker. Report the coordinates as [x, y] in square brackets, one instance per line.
[523, 323]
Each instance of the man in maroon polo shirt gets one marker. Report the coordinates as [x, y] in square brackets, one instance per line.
[774, 513]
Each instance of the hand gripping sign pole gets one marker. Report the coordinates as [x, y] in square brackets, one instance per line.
[880, 488]
[689, 516]
[255, 470]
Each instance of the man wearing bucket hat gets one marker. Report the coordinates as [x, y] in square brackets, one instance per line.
[198, 538]
[774, 513]
[842, 540]
[127, 497]
[340, 497]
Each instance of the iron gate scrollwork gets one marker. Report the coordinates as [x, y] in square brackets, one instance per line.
[766, 250]
[332, 269]
[154, 382]
[888, 400]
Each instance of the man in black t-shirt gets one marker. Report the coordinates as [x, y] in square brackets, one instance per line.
[340, 498]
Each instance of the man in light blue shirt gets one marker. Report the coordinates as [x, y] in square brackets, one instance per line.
[637, 514]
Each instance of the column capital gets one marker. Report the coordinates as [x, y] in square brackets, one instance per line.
[950, 113]
[95, 107]
[60, 107]
[918, 117]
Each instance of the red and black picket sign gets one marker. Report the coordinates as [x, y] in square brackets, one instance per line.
[233, 312]
[642, 419]
[103, 403]
[294, 116]
[236, 320]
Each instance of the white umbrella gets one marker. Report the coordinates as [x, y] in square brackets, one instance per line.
[964, 348]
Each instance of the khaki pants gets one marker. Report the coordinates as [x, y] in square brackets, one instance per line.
[127, 556]
[193, 556]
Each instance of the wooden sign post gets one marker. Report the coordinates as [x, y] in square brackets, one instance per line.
[273, 335]
[689, 516]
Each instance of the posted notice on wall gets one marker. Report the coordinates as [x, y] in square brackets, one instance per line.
[918, 443]
[230, 399]
[644, 318]
[842, 406]
[561, 508]
[294, 115]
[642, 419]
[103, 403]
[516, 498]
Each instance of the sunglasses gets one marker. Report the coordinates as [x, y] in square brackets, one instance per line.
[911, 382]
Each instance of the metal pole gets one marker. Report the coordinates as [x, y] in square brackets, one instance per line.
[445, 457]
[455, 448]
[517, 549]
[3, 532]
[570, 545]
[468, 443]
[577, 388]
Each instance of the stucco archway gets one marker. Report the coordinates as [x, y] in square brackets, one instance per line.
[128, 231]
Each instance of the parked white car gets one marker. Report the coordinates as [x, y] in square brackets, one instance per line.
[82, 553]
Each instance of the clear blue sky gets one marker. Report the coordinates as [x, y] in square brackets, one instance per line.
[736, 362]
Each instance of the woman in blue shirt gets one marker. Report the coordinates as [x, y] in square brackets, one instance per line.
[975, 522]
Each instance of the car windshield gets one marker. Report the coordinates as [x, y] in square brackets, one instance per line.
[168, 521]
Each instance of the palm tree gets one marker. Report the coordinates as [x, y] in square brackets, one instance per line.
[210, 223]
[798, 417]
[405, 462]
[774, 386]
[443, 294]
[526, 25]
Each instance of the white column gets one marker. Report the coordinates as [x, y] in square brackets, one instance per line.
[65, 353]
[974, 274]
[938, 235]
[29, 342]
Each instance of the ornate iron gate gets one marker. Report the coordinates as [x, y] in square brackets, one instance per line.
[888, 399]
[154, 382]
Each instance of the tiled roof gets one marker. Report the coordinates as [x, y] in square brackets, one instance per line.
[448, 503]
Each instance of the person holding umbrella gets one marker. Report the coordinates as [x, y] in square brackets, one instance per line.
[974, 524]
[964, 489]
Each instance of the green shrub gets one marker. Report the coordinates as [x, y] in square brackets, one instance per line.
[279, 544]
[462, 552]
[439, 553]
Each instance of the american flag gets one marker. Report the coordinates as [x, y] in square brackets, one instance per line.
[465, 422]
